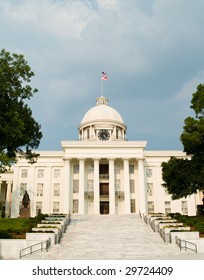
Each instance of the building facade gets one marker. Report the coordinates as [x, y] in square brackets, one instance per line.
[101, 173]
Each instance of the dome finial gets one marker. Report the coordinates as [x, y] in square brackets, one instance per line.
[102, 100]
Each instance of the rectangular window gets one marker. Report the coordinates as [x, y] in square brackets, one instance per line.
[167, 205]
[117, 133]
[56, 191]
[90, 185]
[55, 207]
[117, 185]
[38, 208]
[90, 169]
[148, 173]
[150, 206]
[75, 186]
[56, 173]
[40, 173]
[88, 133]
[184, 207]
[132, 186]
[117, 169]
[132, 205]
[131, 169]
[75, 206]
[23, 188]
[149, 189]
[40, 189]
[24, 173]
[76, 169]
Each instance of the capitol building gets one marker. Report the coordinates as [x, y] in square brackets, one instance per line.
[99, 174]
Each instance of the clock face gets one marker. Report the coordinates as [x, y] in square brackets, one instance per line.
[103, 134]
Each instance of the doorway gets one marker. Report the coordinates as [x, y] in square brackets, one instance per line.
[104, 207]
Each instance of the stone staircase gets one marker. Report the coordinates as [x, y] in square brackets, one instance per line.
[110, 237]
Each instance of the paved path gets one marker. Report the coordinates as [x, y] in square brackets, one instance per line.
[111, 237]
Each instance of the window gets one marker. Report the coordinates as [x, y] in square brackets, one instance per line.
[165, 191]
[76, 169]
[55, 207]
[117, 169]
[132, 186]
[56, 173]
[40, 173]
[75, 186]
[167, 205]
[23, 188]
[88, 133]
[90, 169]
[150, 206]
[40, 189]
[56, 189]
[132, 205]
[38, 208]
[117, 185]
[131, 169]
[24, 173]
[184, 207]
[75, 206]
[117, 133]
[90, 185]
[148, 173]
[149, 189]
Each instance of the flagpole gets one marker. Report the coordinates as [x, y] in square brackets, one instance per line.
[101, 87]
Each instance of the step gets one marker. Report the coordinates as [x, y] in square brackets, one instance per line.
[109, 237]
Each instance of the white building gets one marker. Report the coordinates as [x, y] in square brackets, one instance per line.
[101, 173]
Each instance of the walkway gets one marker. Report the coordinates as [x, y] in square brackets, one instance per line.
[111, 237]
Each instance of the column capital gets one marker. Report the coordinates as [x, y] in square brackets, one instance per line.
[9, 182]
[111, 159]
[96, 159]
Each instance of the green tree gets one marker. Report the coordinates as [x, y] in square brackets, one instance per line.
[19, 132]
[183, 177]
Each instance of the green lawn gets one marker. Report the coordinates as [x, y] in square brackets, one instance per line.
[17, 227]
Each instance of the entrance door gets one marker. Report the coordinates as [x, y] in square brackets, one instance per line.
[104, 207]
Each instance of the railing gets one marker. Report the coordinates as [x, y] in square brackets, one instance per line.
[164, 236]
[44, 245]
[103, 176]
[187, 244]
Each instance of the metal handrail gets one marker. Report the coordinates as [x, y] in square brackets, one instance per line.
[186, 244]
[35, 248]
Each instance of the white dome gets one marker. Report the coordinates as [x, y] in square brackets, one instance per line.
[102, 117]
[102, 113]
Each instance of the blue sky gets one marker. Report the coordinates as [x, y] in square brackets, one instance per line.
[152, 51]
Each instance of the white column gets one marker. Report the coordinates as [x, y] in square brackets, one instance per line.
[96, 187]
[8, 198]
[127, 186]
[142, 188]
[81, 185]
[111, 187]
[67, 191]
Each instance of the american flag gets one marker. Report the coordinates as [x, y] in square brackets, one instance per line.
[104, 76]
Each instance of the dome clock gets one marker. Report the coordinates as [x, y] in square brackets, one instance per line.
[103, 135]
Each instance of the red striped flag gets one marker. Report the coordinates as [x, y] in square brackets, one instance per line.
[104, 76]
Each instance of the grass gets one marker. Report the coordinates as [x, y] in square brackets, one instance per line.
[17, 227]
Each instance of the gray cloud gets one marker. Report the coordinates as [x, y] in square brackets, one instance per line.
[151, 50]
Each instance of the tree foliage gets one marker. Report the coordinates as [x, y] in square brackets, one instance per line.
[19, 132]
[184, 177]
